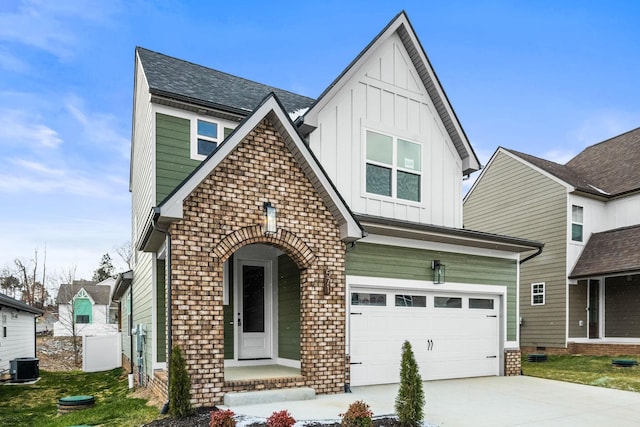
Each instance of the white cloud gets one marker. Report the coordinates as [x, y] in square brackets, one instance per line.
[99, 128]
[558, 155]
[38, 167]
[21, 128]
[53, 26]
[602, 125]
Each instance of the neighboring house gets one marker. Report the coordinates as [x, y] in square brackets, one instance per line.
[17, 330]
[582, 294]
[85, 308]
[309, 235]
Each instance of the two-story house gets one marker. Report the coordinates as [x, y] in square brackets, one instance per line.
[283, 241]
[581, 295]
[85, 308]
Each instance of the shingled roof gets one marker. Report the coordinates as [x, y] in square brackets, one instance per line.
[610, 252]
[607, 169]
[189, 82]
[101, 294]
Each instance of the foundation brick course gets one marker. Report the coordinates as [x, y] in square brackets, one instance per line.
[512, 362]
[225, 213]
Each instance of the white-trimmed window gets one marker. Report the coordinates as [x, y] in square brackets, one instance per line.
[206, 140]
[393, 167]
[537, 293]
[577, 218]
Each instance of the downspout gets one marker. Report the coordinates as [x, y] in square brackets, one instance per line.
[156, 215]
[522, 261]
[130, 326]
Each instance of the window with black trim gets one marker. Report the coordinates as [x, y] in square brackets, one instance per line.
[82, 318]
[393, 167]
[537, 294]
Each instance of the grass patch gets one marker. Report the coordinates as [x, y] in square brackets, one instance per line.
[37, 404]
[590, 370]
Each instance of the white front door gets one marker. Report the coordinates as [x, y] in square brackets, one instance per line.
[253, 314]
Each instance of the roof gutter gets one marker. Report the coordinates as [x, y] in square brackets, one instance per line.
[538, 252]
[156, 216]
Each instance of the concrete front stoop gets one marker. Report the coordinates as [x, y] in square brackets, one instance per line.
[243, 398]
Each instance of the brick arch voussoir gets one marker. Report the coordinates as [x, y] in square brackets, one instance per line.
[297, 249]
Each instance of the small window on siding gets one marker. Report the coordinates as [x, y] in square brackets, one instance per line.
[361, 298]
[576, 223]
[537, 294]
[447, 302]
[207, 137]
[82, 318]
[411, 301]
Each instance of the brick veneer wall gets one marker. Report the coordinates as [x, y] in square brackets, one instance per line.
[224, 213]
[512, 362]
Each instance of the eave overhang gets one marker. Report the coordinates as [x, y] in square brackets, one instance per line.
[454, 236]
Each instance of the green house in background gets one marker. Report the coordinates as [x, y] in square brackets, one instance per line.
[283, 241]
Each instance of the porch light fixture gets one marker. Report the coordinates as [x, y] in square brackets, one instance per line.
[326, 284]
[270, 226]
[438, 271]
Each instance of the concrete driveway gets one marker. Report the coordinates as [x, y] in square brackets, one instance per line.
[488, 401]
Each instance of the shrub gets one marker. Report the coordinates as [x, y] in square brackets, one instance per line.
[179, 385]
[410, 399]
[222, 419]
[281, 419]
[358, 415]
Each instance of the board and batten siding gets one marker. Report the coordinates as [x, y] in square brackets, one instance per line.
[20, 340]
[387, 96]
[374, 260]
[173, 162]
[514, 199]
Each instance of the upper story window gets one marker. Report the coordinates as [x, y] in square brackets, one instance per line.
[207, 137]
[393, 166]
[576, 223]
[537, 294]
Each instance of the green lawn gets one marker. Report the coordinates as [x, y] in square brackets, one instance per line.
[590, 370]
[36, 405]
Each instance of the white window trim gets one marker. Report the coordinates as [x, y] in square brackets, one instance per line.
[577, 223]
[194, 137]
[394, 167]
[543, 293]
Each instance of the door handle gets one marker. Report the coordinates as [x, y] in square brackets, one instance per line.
[429, 345]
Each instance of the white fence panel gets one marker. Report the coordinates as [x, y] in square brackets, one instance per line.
[101, 353]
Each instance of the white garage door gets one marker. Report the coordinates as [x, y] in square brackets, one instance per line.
[452, 335]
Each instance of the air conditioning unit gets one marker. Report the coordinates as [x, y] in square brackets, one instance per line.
[24, 369]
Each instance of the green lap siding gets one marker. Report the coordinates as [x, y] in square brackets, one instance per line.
[161, 313]
[373, 260]
[173, 151]
[288, 309]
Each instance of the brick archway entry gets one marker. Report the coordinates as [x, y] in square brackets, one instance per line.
[223, 214]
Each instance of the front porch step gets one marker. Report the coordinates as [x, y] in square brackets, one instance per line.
[242, 398]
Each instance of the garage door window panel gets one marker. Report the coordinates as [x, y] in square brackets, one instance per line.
[481, 303]
[447, 302]
[362, 298]
[411, 301]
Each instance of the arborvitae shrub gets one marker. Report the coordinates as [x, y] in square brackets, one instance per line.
[410, 399]
[179, 386]
[358, 415]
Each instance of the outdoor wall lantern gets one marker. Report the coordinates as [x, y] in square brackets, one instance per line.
[438, 271]
[326, 284]
[270, 226]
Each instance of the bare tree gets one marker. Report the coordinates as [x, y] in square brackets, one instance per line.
[67, 315]
[125, 253]
[31, 290]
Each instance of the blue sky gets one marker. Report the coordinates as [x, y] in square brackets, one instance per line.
[547, 78]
